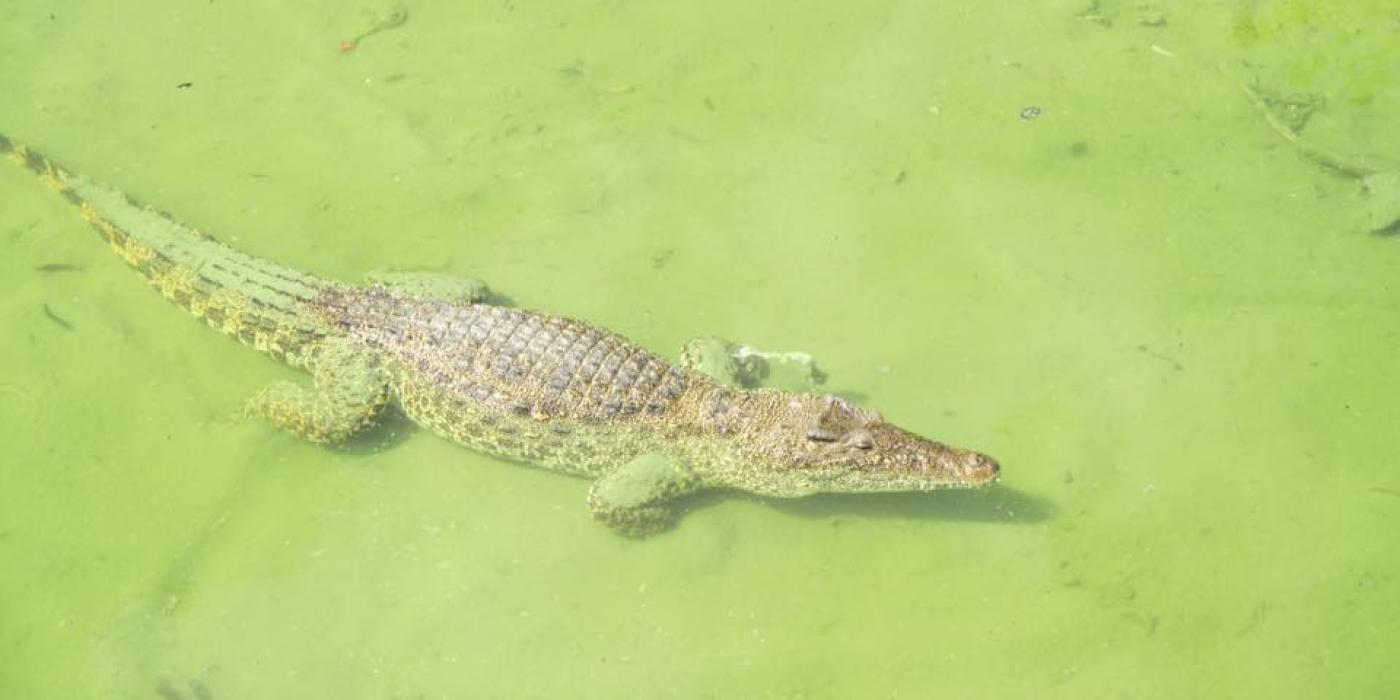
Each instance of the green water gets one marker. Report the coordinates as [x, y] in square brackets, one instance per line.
[1174, 328]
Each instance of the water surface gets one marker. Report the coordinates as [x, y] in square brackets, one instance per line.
[1175, 328]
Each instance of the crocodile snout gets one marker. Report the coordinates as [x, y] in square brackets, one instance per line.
[980, 469]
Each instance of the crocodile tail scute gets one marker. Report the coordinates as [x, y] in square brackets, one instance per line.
[61, 181]
[254, 300]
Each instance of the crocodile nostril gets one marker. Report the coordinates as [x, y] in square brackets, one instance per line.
[989, 466]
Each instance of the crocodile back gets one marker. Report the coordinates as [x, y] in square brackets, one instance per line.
[516, 361]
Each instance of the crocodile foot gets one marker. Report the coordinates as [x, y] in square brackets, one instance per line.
[730, 363]
[348, 393]
[635, 499]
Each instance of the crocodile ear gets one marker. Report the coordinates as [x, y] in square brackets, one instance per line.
[833, 417]
[841, 420]
[840, 416]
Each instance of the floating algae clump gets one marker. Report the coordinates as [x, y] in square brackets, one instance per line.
[1332, 92]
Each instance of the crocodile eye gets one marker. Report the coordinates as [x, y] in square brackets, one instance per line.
[819, 435]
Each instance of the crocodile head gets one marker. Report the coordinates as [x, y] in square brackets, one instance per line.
[790, 444]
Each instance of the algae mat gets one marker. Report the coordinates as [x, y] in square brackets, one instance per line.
[1108, 243]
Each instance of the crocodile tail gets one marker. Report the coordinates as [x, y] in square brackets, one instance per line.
[254, 300]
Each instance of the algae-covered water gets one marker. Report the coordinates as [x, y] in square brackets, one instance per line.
[1144, 253]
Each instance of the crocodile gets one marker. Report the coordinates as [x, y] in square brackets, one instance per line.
[518, 384]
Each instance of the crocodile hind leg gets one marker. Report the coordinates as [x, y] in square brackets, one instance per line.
[348, 393]
[730, 363]
[633, 500]
[432, 285]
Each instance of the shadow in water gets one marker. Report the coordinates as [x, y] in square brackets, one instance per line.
[393, 429]
[996, 504]
[495, 298]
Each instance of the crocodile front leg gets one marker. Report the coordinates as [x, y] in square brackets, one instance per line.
[348, 393]
[634, 499]
[733, 364]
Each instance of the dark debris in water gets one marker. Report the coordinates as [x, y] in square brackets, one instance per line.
[59, 320]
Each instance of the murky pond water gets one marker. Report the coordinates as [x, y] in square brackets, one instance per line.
[1143, 253]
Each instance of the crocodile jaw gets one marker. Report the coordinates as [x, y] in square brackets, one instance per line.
[908, 462]
[787, 444]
